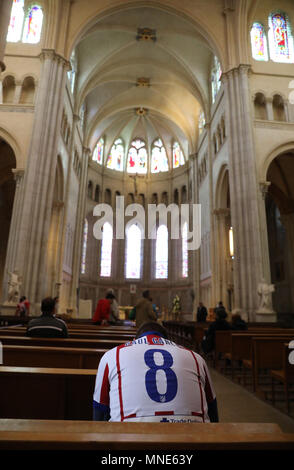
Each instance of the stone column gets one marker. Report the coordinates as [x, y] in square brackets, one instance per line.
[221, 256]
[213, 298]
[81, 214]
[269, 109]
[248, 259]
[18, 86]
[38, 186]
[5, 10]
[11, 261]
[194, 257]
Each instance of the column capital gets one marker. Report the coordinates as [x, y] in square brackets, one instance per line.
[18, 174]
[51, 54]
[222, 213]
[193, 156]
[264, 187]
[241, 68]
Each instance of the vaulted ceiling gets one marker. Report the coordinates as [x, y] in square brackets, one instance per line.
[165, 72]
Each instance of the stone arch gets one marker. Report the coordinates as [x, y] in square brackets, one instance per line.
[7, 192]
[28, 88]
[279, 108]
[279, 205]
[260, 111]
[8, 89]
[283, 148]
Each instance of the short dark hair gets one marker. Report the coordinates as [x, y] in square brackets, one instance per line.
[110, 296]
[48, 305]
[146, 294]
[22, 298]
[152, 326]
[221, 313]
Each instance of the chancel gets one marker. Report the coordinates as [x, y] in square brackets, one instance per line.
[173, 104]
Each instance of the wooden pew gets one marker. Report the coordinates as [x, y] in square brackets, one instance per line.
[285, 375]
[62, 342]
[46, 393]
[74, 334]
[267, 353]
[83, 435]
[42, 356]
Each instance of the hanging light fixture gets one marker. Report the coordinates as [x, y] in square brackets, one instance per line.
[231, 242]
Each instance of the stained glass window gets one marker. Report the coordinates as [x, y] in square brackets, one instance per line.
[258, 42]
[137, 157]
[84, 248]
[98, 151]
[201, 121]
[115, 159]
[185, 250]
[178, 156]
[216, 74]
[106, 250]
[33, 25]
[133, 252]
[159, 160]
[161, 259]
[16, 21]
[280, 38]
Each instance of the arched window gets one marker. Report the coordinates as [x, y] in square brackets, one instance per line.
[258, 42]
[16, 21]
[201, 121]
[115, 159]
[260, 111]
[98, 151]
[161, 257]
[106, 250]
[84, 249]
[216, 74]
[280, 38]
[185, 250]
[159, 160]
[137, 157]
[133, 252]
[71, 74]
[33, 25]
[178, 156]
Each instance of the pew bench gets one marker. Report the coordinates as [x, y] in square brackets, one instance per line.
[42, 356]
[285, 375]
[83, 435]
[46, 393]
[62, 342]
[78, 334]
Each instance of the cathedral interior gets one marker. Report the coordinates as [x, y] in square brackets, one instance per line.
[161, 102]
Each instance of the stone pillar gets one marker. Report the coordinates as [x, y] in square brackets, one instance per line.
[34, 220]
[5, 10]
[221, 256]
[11, 261]
[77, 248]
[269, 109]
[18, 87]
[213, 299]
[194, 256]
[248, 259]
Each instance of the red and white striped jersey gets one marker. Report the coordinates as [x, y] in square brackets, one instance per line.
[153, 379]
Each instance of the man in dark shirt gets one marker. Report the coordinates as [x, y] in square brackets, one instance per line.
[201, 313]
[47, 326]
[220, 323]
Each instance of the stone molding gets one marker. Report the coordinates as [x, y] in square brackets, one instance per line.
[51, 54]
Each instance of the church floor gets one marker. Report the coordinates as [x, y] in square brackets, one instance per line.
[237, 405]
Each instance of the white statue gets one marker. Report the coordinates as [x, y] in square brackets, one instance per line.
[265, 292]
[14, 284]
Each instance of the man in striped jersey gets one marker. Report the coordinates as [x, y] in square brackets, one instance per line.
[47, 326]
[153, 379]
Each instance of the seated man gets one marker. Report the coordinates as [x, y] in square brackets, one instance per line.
[47, 326]
[153, 379]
